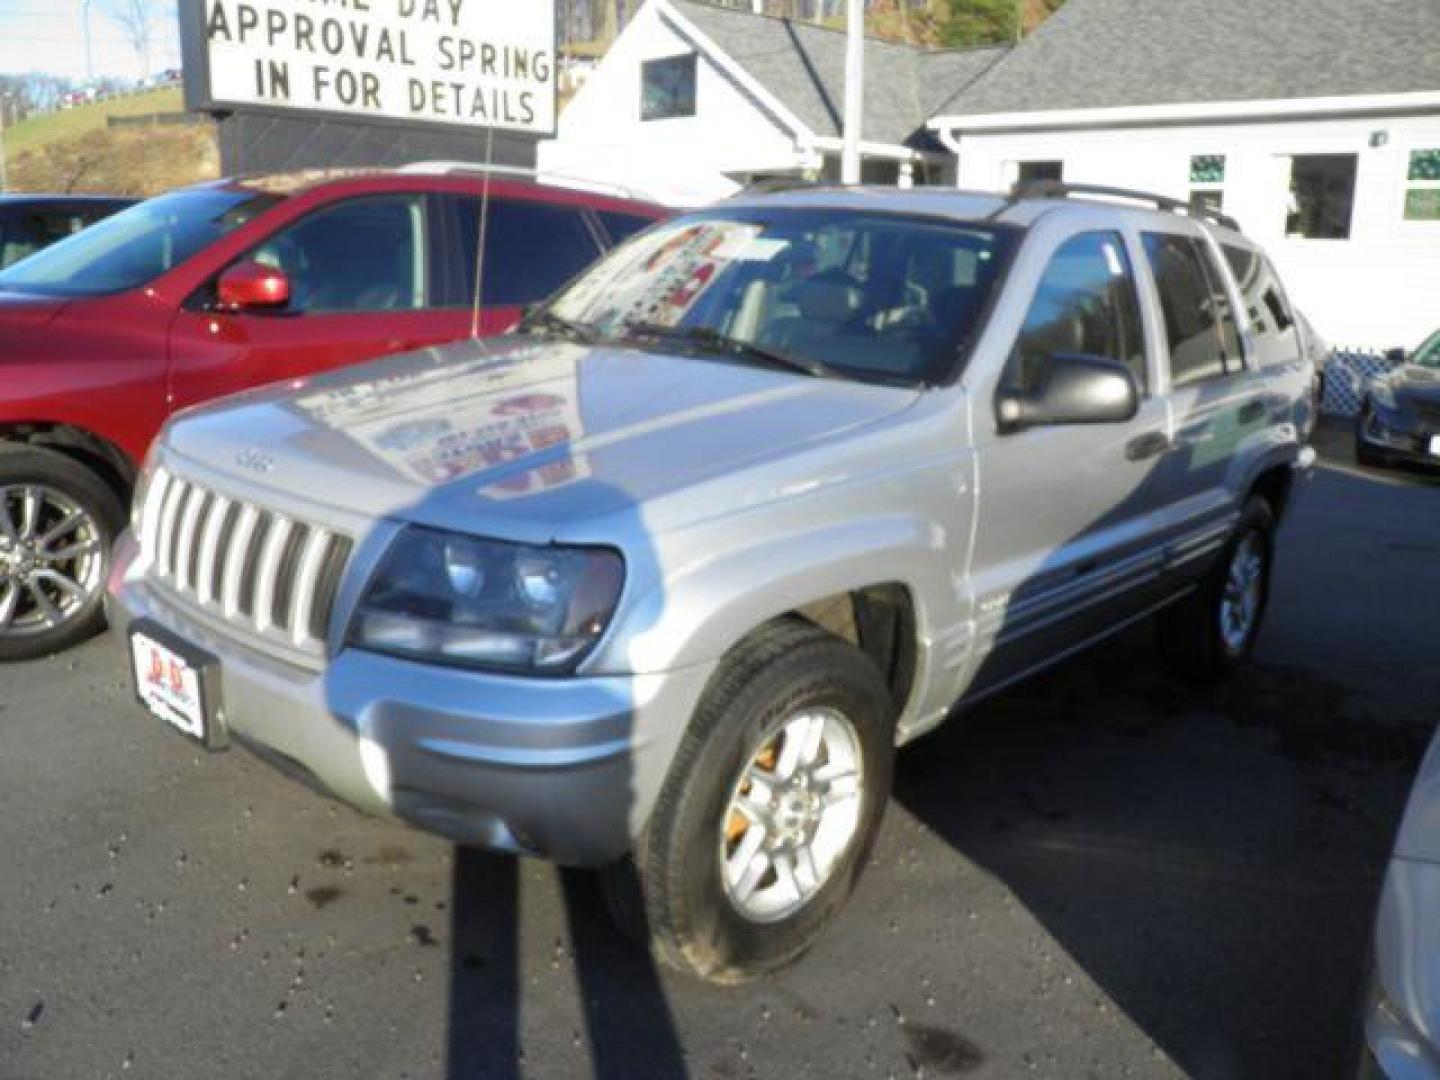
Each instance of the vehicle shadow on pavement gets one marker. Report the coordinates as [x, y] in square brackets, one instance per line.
[628, 1023]
[1211, 858]
[514, 422]
[1210, 862]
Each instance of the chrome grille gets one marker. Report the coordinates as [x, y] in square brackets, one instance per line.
[257, 569]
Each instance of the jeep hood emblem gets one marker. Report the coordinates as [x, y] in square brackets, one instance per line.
[255, 460]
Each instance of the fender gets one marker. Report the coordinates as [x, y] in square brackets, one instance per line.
[706, 605]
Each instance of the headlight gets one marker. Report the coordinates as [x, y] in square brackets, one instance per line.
[1383, 396]
[461, 600]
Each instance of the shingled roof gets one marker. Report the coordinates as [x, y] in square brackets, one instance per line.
[1108, 53]
[803, 65]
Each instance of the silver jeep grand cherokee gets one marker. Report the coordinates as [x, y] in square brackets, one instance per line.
[660, 581]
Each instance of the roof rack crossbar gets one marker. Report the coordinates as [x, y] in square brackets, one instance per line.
[1061, 189]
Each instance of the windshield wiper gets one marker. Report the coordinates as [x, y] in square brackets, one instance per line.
[714, 341]
[546, 319]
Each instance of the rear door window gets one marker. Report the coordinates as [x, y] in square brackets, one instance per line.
[1271, 319]
[1199, 324]
[54, 225]
[17, 239]
[531, 249]
[1085, 304]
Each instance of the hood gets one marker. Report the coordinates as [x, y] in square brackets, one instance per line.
[21, 311]
[1415, 383]
[520, 438]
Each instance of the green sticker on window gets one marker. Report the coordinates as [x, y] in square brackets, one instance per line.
[1424, 165]
[1422, 204]
[1207, 169]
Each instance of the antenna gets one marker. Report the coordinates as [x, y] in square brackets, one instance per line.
[480, 240]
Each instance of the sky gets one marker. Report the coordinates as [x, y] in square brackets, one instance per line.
[48, 35]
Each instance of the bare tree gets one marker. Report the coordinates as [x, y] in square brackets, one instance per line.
[137, 21]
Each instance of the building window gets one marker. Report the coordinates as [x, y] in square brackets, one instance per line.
[1207, 180]
[1207, 169]
[667, 88]
[1031, 172]
[1322, 196]
[1206, 202]
[1422, 192]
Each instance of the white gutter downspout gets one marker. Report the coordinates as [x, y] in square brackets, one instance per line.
[854, 91]
[950, 139]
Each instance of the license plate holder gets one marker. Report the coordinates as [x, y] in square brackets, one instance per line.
[178, 683]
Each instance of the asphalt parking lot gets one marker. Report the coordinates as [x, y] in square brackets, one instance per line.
[1102, 874]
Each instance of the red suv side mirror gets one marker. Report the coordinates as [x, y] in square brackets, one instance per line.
[249, 285]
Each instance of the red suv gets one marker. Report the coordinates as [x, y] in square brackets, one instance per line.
[224, 286]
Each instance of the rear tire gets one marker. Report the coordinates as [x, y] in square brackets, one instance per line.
[729, 894]
[58, 523]
[1210, 633]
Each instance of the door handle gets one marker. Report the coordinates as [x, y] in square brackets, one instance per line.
[1252, 411]
[1151, 444]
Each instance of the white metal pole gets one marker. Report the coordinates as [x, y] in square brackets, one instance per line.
[4, 175]
[854, 90]
[89, 56]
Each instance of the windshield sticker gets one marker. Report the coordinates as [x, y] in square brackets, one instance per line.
[750, 249]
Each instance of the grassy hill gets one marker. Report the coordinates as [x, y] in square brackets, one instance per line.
[75, 150]
[40, 130]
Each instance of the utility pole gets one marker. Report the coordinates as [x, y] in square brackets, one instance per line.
[4, 175]
[89, 58]
[854, 90]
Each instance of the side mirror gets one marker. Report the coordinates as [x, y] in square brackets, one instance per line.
[1395, 356]
[253, 286]
[1076, 389]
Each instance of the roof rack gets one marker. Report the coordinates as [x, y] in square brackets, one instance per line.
[1062, 189]
[540, 176]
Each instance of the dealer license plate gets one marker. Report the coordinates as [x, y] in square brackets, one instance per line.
[170, 685]
[1435, 445]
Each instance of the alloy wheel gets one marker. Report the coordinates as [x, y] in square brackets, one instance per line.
[1243, 593]
[793, 813]
[52, 559]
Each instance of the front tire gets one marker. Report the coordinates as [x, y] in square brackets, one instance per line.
[769, 810]
[1210, 633]
[58, 522]
[1364, 453]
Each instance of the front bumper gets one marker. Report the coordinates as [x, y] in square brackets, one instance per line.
[1396, 437]
[566, 769]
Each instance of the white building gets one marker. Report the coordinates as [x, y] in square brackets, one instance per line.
[693, 101]
[1314, 123]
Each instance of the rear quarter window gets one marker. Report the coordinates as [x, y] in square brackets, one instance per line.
[1272, 322]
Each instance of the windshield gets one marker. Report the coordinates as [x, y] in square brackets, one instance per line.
[137, 245]
[881, 296]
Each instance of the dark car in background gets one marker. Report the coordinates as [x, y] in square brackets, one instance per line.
[1399, 418]
[229, 285]
[29, 223]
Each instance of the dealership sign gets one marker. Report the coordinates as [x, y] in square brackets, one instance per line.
[484, 63]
